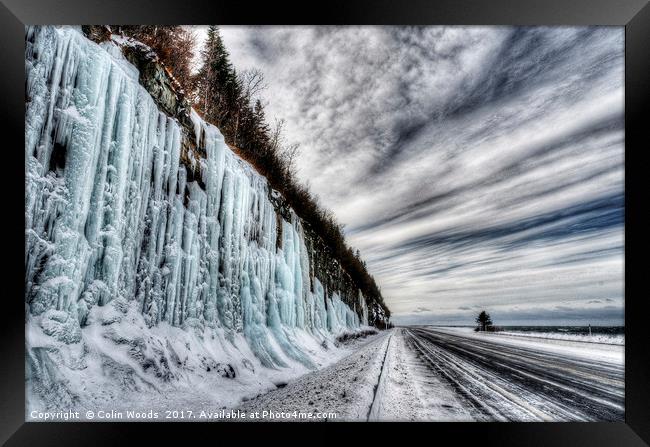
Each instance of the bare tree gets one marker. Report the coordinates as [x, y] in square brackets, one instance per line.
[276, 134]
[286, 152]
[252, 83]
[288, 156]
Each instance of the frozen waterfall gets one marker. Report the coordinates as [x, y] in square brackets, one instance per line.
[118, 208]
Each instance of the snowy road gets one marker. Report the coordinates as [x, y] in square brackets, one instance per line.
[502, 380]
[438, 374]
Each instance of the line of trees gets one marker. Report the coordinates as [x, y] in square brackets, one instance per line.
[174, 46]
[231, 101]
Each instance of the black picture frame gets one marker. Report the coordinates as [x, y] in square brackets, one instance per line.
[634, 15]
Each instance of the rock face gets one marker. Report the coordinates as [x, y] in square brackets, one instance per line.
[133, 200]
[167, 94]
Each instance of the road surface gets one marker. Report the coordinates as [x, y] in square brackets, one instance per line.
[513, 382]
[442, 374]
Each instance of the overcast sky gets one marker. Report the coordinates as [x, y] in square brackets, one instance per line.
[474, 167]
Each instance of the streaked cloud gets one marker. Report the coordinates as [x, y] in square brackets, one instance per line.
[474, 167]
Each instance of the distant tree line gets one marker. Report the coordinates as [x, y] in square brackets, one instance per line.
[231, 101]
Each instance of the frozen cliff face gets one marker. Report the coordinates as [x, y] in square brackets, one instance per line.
[128, 227]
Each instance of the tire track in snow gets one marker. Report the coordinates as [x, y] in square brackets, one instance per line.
[514, 383]
[565, 387]
[375, 405]
[483, 395]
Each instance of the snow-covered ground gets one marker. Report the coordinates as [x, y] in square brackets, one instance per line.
[116, 363]
[403, 374]
[609, 352]
[618, 339]
[611, 339]
[342, 391]
[382, 380]
[454, 374]
[409, 391]
[531, 379]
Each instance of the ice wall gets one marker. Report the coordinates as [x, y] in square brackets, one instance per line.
[112, 211]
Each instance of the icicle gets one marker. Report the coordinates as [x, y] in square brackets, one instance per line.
[113, 210]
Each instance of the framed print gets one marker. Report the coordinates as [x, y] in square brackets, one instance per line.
[417, 216]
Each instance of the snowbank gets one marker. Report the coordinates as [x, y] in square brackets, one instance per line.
[595, 338]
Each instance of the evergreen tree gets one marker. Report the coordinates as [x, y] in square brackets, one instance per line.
[230, 102]
[260, 117]
[218, 91]
[484, 320]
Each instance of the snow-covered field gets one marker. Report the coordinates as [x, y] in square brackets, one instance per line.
[618, 339]
[610, 352]
[595, 338]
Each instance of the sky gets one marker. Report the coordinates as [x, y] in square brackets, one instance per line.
[473, 167]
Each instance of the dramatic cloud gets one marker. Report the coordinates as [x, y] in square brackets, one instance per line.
[474, 167]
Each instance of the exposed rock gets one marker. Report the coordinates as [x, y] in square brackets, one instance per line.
[225, 370]
[324, 266]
